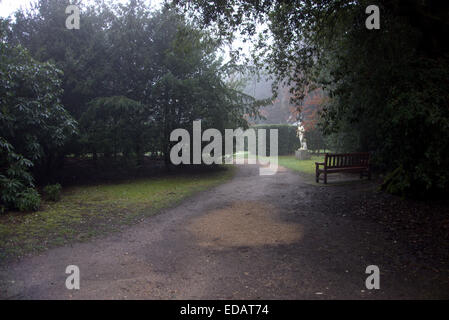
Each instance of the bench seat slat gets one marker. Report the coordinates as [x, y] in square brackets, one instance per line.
[344, 169]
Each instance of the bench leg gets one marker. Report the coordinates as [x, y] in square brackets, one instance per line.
[317, 176]
[325, 177]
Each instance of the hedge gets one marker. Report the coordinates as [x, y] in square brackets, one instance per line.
[288, 140]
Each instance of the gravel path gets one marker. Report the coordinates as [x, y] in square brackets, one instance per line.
[255, 237]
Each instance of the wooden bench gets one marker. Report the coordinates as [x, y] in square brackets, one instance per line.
[345, 162]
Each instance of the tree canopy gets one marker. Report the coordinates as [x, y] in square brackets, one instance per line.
[387, 88]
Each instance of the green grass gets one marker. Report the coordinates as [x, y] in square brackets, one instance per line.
[304, 166]
[290, 162]
[90, 211]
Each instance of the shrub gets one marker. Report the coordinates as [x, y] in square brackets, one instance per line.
[14, 178]
[288, 140]
[315, 140]
[28, 200]
[53, 192]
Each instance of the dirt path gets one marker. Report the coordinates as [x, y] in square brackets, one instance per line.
[269, 237]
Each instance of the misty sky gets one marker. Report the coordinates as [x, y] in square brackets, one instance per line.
[7, 7]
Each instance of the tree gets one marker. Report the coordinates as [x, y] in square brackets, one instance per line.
[191, 84]
[80, 54]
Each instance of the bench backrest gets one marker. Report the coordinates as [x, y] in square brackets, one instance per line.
[345, 160]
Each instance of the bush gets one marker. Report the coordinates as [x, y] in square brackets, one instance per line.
[14, 178]
[53, 192]
[288, 140]
[346, 140]
[28, 200]
[113, 125]
[315, 140]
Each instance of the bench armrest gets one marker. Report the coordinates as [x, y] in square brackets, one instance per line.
[319, 164]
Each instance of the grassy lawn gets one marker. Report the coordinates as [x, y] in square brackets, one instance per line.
[290, 162]
[304, 166]
[89, 211]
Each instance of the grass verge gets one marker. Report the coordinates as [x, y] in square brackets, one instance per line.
[88, 211]
[307, 170]
[304, 166]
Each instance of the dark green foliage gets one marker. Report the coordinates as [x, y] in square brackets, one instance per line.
[52, 192]
[129, 75]
[392, 102]
[315, 140]
[419, 113]
[28, 200]
[33, 123]
[288, 140]
[80, 54]
[191, 85]
[14, 176]
[16, 183]
[32, 118]
[115, 125]
[155, 58]
[345, 140]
